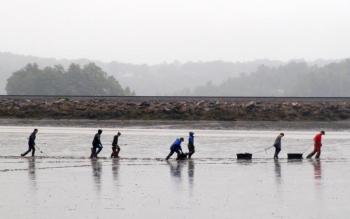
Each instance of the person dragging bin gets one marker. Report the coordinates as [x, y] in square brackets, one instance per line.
[278, 145]
[31, 143]
[96, 144]
[190, 145]
[317, 145]
[176, 148]
[115, 146]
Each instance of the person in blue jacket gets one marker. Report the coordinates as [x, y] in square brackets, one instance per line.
[190, 144]
[176, 148]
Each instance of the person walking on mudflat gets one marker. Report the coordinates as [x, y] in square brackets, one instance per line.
[278, 145]
[115, 146]
[96, 144]
[191, 145]
[31, 143]
[317, 145]
[175, 148]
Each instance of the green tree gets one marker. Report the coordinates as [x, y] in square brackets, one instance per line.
[89, 80]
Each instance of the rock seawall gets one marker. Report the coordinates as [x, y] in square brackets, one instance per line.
[243, 109]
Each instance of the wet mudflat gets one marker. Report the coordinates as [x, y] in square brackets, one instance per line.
[63, 183]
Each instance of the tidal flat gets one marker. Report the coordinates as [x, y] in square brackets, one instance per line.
[62, 182]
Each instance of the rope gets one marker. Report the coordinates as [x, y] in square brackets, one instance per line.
[39, 149]
[306, 150]
[265, 149]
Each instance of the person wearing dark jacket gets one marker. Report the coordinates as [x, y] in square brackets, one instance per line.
[278, 145]
[175, 148]
[190, 145]
[96, 144]
[31, 143]
[115, 146]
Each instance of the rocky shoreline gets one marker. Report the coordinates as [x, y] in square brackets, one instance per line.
[244, 109]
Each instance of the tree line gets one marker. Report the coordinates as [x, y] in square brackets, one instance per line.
[293, 79]
[86, 80]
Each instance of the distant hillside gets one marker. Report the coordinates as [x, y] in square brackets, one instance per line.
[160, 79]
[86, 80]
[297, 79]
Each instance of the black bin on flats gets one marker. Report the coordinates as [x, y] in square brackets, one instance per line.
[244, 156]
[182, 156]
[295, 156]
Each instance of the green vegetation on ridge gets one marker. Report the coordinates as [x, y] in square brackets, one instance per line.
[88, 80]
[293, 79]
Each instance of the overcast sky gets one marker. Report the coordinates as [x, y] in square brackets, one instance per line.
[153, 31]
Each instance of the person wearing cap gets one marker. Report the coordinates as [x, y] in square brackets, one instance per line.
[175, 148]
[31, 143]
[278, 145]
[190, 144]
[96, 144]
[115, 146]
[317, 145]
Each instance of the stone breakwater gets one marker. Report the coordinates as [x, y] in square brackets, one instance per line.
[144, 108]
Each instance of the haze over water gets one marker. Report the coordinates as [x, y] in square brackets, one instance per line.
[63, 183]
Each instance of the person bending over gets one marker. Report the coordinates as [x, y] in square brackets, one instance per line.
[175, 148]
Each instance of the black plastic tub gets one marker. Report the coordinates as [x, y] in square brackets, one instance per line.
[244, 156]
[182, 156]
[296, 156]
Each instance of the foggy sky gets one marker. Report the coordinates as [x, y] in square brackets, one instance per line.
[153, 31]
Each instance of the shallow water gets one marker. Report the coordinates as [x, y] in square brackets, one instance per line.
[63, 183]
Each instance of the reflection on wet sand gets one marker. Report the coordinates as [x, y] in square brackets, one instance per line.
[191, 174]
[96, 173]
[176, 168]
[31, 168]
[317, 169]
[190, 170]
[278, 173]
[244, 162]
[31, 171]
[115, 168]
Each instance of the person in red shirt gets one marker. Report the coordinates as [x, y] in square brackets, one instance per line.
[317, 145]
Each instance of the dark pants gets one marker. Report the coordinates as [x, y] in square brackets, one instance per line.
[30, 148]
[317, 152]
[95, 150]
[115, 151]
[277, 151]
[171, 153]
[190, 151]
